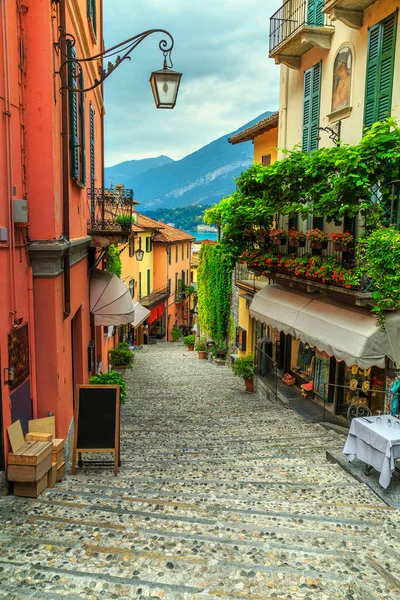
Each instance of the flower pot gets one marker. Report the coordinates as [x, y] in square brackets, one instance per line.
[125, 226]
[249, 384]
[190, 348]
[279, 241]
[319, 245]
[119, 369]
[202, 354]
[294, 243]
[338, 246]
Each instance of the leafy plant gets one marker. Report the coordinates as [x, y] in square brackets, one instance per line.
[189, 340]
[111, 378]
[121, 356]
[214, 291]
[296, 234]
[114, 263]
[278, 234]
[244, 366]
[176, 334]
[346, 238]
[125, 219]
[316, 235]
[201, 345]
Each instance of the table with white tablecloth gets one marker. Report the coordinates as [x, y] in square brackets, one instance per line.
[376, 444]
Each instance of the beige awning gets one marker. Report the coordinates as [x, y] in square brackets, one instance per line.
[110, 299]
[349, 333]
[141, 314]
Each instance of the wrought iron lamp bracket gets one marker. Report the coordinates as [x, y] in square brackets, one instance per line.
[73, 66]
[333, 132]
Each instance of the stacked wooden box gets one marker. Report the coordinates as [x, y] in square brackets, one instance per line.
[37, 461]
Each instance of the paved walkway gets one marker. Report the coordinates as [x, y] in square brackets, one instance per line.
[220, 495]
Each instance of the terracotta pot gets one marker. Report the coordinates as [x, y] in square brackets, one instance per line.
[294, 243]
[249, 383]
[319, 245]
[190, 348]
[338, 246]
[202, 354]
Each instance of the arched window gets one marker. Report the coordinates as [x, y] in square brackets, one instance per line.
[342, 71]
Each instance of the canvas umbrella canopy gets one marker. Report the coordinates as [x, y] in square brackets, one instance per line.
[110, 299]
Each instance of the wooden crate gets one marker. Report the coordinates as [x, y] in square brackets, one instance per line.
[45, 425]
[61, 472]
[30, 462]
[58, 451]
[30, 490]
[52, 475]
[38, 437]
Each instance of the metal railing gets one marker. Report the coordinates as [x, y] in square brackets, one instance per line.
[155, 297]
[110, 210]
[292, 15]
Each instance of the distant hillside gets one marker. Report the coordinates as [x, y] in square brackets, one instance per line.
[203, 177]
[184, 217]
[126, 172]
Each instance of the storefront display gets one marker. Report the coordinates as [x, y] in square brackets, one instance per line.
[366, 386]
[302, 360]
[321, 375]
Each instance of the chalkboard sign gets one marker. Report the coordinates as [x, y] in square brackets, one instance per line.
[96, 421]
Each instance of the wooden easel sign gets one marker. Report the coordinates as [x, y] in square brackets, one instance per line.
[97, 426]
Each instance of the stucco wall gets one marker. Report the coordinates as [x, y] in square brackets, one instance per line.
[266, 143]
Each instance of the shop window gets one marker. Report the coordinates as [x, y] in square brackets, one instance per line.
[321, 375]
[302, 359]
[342, 79]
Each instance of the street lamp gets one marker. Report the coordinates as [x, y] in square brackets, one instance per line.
[139, 253]
[164, 83]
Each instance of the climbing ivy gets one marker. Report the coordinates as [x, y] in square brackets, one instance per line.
[214, 292]
[114, 263]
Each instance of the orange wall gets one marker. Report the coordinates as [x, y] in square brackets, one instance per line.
[178, 313]
[14, 266]
[266, 143]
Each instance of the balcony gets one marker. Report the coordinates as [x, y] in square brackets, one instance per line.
[326, 269]
[295, 29]
[156, 297]
[110, 215]
[349, 12]
[180, 297]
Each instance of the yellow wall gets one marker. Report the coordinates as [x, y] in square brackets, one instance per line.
[292, 81]
[266, 143]
[245, 322]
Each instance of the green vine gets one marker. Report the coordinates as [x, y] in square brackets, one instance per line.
[214, 292]
[114, 263]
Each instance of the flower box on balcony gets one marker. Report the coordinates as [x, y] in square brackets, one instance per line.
[318, 239]
[297, 239]
[278, 237]
[342, 242]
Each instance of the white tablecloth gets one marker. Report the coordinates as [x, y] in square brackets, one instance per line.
[375, 444]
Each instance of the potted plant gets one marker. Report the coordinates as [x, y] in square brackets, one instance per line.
[111, 378]
[121, 357]
[244, 367]
[297, 238]
[318, 239]
[278, 236]
[189, 341]
[342, 241]
[176, 334]
[125, 221]
[201, 349]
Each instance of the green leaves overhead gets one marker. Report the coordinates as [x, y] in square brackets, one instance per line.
[334, 182]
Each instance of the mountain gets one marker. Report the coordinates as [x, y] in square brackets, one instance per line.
[126, 172]
[203, 177]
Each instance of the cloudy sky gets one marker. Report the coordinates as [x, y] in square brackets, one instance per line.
[222, 50]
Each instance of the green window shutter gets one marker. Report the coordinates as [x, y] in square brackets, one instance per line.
[349, 225]
[140, 285]
[82, 141]
[311, 110]
[148, 282]
[73, 115]
[380, 66]
[318, 223]
[293, 221]
[315, 15]
[92, 14]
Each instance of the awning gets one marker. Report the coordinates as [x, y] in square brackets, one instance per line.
[141, 314]
[110, 299]
[349, 333]
[156, 312]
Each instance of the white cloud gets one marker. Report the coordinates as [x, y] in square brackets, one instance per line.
[222, 51]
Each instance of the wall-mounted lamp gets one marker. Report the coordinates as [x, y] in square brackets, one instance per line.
[10, 373]
[139, 253]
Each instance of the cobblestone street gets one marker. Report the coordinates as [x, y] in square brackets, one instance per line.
[221, 494]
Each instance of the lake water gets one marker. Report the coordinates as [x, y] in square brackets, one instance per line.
[204, 235]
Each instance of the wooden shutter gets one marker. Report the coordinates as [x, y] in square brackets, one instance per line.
[140, 285]
[73, 115]
[311, 109]
[380, 66]
[82, 133]
[315, 15]
[92, 14]
[148, 282]
[349, 225]
[92, 161]
[318, 223]
[266, 160]
[293, 221]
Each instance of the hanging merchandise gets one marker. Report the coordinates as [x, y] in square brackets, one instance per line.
[395, 389]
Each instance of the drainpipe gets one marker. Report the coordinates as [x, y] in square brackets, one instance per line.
[284, 107]
[7, 115]
[65, 172]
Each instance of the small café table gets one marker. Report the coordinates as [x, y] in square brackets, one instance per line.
[376, 444]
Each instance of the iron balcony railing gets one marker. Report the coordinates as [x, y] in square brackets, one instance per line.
[155, 297]
[110, 210]
[292, 15]
[180, 297]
